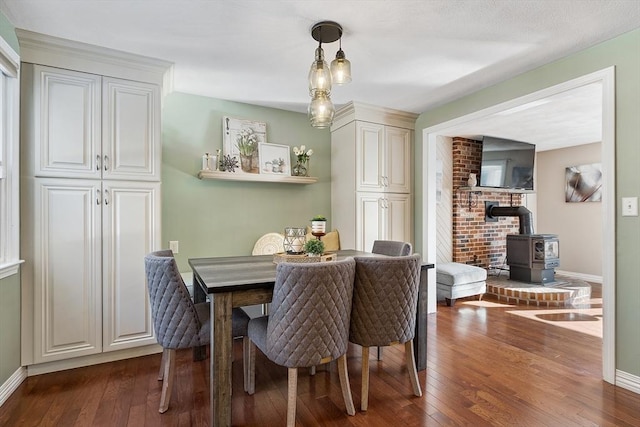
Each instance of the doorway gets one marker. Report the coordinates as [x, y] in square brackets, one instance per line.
[606, 78]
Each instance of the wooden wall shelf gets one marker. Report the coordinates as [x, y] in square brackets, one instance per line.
[254, 177]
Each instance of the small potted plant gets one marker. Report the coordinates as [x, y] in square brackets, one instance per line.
[319, 224]
[314, 247]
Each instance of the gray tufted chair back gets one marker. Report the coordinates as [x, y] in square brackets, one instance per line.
[385, 298]
[310, 311]
[175, 318]
[391, 248]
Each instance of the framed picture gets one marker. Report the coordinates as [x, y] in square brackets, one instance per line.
[242, 139]
[583, 183]
[274, 159]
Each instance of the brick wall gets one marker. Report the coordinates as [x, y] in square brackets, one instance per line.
[474, 240]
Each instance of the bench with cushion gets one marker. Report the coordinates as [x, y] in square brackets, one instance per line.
[456, 280]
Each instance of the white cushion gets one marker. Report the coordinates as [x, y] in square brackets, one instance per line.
[454, 273]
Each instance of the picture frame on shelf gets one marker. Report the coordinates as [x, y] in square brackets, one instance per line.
[275, 159]
[241, 140]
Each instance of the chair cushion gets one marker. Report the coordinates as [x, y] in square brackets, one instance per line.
[331, 240]
[454, 273]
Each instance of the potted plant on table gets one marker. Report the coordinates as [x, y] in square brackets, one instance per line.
[319, 224]
[314, 247]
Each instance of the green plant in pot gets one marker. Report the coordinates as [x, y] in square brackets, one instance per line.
[314, 247]
[319, 224]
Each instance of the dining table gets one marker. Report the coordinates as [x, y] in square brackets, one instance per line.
[238, 281]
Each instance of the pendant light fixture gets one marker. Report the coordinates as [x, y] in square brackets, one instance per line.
[321, 77]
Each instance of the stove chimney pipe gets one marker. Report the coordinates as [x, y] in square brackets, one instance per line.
[523, 214]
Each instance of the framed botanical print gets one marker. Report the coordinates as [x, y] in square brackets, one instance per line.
[274, 159]
[241, 140]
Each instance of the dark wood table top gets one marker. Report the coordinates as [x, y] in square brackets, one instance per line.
[226, 274]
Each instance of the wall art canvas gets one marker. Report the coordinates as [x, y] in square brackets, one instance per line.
[241, 140]
[583, 183]
[275, 159]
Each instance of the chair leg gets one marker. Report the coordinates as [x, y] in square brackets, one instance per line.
[167, 384]
[251, 368]
[312, 370]
[291, 396]
[343, 373]
[162, 362]
[379, 353]
[364, 398]
[246, 361]
[411, 367]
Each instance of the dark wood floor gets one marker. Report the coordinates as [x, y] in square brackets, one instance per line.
[486, 366]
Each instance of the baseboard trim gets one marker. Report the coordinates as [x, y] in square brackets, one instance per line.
[94, 359]
[628, 381]
[581, 276]
[12, 384]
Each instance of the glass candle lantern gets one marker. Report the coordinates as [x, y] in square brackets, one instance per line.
[294, 240]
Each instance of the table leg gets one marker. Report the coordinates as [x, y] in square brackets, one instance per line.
[221, 352]
[420, 338]
[199, 295]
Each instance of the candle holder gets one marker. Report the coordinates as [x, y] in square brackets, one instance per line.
[294, 240]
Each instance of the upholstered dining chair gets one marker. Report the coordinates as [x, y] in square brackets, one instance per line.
[178, 322]
[391, 248]
[308, 324]
[385, 296]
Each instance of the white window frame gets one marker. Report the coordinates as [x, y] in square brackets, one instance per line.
[9, 160]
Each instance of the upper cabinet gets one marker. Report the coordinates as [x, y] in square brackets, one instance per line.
[90, 126]
[383, 156]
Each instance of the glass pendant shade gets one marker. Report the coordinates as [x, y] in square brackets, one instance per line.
[340, 69]
[321, 110]
[319, 74]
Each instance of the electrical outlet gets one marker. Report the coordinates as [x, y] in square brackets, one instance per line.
[173, 245]
[629, 206]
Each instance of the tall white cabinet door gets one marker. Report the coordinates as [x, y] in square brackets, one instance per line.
[397, 173]
[131, 229]
[67, 260]
[130, 130]
[398, 217]
[369, 156]
[370, 220]
[66, 128]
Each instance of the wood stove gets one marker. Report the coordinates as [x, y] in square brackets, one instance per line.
[533, 257]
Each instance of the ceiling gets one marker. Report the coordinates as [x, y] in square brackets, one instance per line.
[411, 55]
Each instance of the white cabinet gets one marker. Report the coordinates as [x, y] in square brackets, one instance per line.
[382, 217]
[90, 157]
[88, 280]
[90, 126]
[371, 191]
[383, 156]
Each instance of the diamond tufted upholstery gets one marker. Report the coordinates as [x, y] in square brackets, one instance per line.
[309, 322]
[384, 306]
[177, 321]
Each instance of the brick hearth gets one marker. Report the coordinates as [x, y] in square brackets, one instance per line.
[567, 292]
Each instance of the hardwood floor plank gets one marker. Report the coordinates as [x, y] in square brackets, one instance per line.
[487, 365]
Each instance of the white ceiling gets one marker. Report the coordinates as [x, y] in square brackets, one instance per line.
[411, 55]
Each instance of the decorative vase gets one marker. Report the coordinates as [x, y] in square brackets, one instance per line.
[300, 169]
[294, 240]
[318, 226]
[472, 181]
[246, 162]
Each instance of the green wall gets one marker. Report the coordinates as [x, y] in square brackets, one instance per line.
[8, 33]
[9, 326]
[219, 218]
[623, 52]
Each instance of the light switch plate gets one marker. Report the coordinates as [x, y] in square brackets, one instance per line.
[629, 206]
[173, 245]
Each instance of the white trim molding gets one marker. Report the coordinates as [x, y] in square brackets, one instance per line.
[586, 277]
[10, 268]
[12, 384]
[627, 381]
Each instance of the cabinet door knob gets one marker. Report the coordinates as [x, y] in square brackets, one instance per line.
[106, 197]
[98, 197]
[106, 162]
[98, 162]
